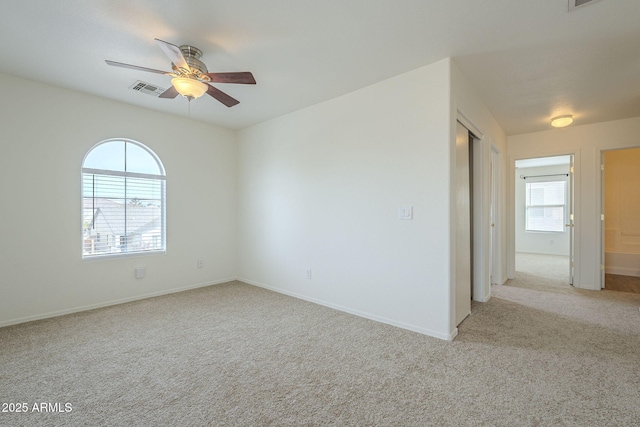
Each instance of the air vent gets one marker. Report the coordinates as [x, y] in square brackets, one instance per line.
[147, 88]
[573, 4]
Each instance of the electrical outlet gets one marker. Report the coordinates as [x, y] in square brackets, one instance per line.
[200, 263]
[308, 274]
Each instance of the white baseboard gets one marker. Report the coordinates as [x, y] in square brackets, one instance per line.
[622, 271]
[483, 298]
[542, 253]
[109, 303]
[444, 336]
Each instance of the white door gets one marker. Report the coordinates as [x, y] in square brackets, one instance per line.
[602, 219]
[493, 230]
[571, 223]
[463, 226]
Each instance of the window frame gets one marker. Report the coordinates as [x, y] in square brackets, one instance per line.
[161, 178]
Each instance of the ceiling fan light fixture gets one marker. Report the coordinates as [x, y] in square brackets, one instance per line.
[562, 121]
[189, 88]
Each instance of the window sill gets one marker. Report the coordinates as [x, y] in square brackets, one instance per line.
[90, 258]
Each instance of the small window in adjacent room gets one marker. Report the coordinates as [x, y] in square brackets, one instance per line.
[545, 209]
[123, 200]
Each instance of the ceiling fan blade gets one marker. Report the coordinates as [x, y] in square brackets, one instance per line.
[174, 54]
[241, 77]
[221, 96]
[135, 67]
[169, 93]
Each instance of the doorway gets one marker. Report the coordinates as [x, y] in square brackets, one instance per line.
[469, 250]
[544, 220]
[621, 220]
[464, 209]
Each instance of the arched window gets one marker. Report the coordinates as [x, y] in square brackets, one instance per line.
[123, 200]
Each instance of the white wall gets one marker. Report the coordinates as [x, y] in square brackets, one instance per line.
[587, 142]
[622, 201]
[319, 189]
[538, 242]
[45, 133]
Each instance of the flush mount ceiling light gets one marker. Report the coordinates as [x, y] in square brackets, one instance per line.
[562, 121]
[189, 88]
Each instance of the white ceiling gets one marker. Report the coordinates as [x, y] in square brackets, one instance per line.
[528, 60]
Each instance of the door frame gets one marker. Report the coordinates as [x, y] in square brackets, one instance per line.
[511, 228]
[480, 216]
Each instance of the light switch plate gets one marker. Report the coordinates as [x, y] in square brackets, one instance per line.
[405, 212]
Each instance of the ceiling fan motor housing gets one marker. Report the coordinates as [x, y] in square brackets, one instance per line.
[191, 56]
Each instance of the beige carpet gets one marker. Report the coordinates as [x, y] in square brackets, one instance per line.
[548, 272]
[236, 355]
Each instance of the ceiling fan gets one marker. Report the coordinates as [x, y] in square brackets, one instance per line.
[190, 76]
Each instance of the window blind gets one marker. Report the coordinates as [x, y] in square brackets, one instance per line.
[545, 206]
[123, 212]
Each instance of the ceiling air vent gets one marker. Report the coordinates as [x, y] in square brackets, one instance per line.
[147, 88]
[573, 4]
